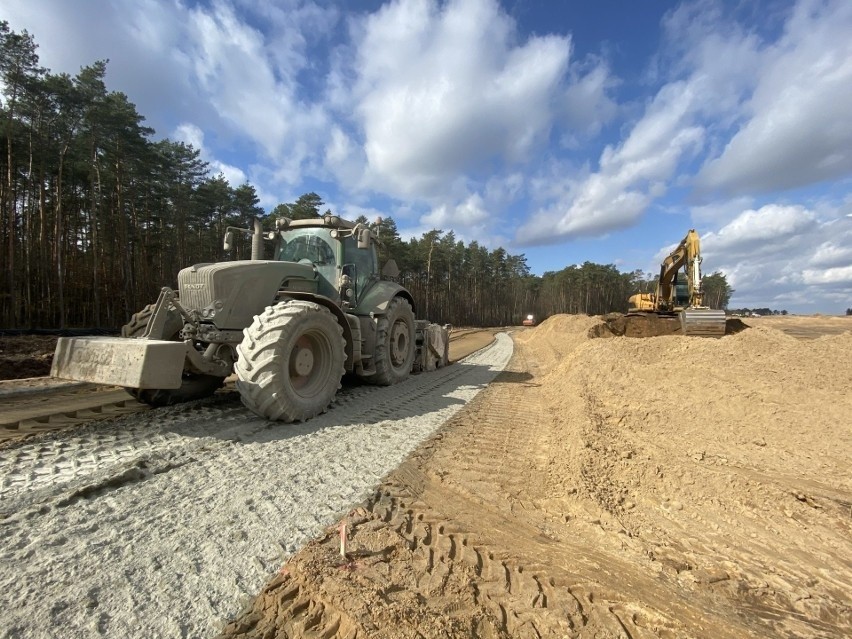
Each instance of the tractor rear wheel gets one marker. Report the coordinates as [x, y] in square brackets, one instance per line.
[193, 385]
[291, 361]
[395, 344]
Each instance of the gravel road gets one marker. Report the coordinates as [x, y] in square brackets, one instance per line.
[163, 523]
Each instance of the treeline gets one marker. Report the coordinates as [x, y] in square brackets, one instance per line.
[96, 216]
[751, 312]
[468, 284]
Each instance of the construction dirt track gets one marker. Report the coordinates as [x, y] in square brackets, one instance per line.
[596, 487]
[662, 487]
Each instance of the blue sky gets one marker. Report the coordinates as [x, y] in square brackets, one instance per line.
[566, 131]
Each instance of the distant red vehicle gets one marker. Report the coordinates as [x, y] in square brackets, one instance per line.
[529, 320]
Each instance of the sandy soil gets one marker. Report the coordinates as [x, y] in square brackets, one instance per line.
[805, 327]
[660, 487]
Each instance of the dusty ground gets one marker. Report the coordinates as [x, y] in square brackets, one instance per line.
[805, 327]
[661, 487]
[26, 356]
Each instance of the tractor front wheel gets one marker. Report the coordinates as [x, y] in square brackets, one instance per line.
[291, 361]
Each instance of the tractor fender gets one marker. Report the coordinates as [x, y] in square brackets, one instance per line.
[377, 298]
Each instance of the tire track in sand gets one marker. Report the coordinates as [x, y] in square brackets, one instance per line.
[450, 545]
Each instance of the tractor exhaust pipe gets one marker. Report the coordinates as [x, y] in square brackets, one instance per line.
[257, 241]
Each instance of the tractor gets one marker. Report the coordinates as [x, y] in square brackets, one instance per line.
[288, 327]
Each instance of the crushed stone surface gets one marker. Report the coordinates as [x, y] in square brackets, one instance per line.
[162, 524]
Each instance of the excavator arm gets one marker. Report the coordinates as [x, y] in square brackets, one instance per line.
[687, 254]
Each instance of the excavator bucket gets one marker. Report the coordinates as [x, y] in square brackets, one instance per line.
[703, 322]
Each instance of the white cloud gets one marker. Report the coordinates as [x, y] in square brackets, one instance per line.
[444, 90]
[798, 128]
[719, 213]
[238, 81]
[720, 57]
[469, 213]
[766, 229]
[782, 255]
[587, 106]
[344, 158]
[504, 189]
[139, 39]
[630, 175]
[831, 254]
[840, 275]
[259, 98]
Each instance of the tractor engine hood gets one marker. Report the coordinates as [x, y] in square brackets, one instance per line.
[230, 294]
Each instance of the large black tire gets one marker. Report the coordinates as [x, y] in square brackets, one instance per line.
[193, 386]
[290, 361]
[395, 344]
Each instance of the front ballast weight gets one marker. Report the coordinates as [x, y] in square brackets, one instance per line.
[289, 327]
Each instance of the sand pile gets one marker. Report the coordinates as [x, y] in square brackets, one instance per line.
[663, 487]
[727, 457]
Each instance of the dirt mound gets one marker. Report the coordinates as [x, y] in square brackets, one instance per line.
[668, 487]
[24, 356]
[616, 325]
[561, 333]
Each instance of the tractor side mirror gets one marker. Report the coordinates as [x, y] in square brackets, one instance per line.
[229, 239]
[364, 237]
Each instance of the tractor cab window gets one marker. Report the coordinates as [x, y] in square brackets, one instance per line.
[364, 261]
[307, 247]
[314, 246]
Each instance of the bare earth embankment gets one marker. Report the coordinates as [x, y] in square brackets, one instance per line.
[661, 487]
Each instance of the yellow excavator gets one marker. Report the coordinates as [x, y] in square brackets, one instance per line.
[679, 292]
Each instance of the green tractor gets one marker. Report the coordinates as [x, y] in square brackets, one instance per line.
[289, 327]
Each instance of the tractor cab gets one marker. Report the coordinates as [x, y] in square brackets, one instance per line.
[314, 246]
[344, 256]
